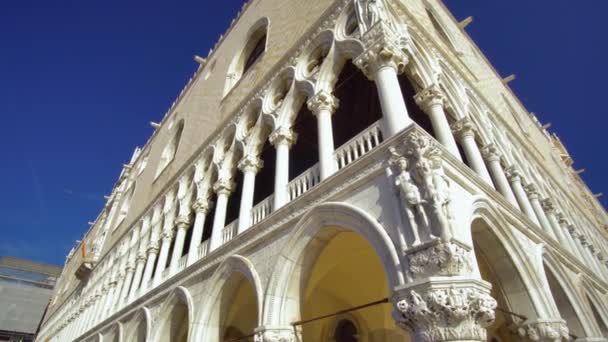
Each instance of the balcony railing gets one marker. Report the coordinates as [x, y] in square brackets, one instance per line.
[181, 264]
[203, 249]
[358, 145]
[304, 182]
[261, 210]
[229, 231]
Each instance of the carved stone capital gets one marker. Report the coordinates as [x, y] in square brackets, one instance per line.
[384, 48]
[562, 220]
[490, 152]
[251, 163]
[153, 247]
[439, 259]
[167, 235]
[275, 334]
[429, 97]
[202, 206]
[129, 267]
[513, 174]
[223, 186]
[182, 222]
[323, 100]
[283, 135]
[548, 205]
[464, 128]
[445, 310]
[543, 330]
[141, 257]
[532, 191]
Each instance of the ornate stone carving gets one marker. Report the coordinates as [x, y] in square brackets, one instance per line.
[513, 175]
[182, 221]
[531, 191]
[464, 128]
[275, 334]
[429, 97]
[445, 311]
[546, 330]
[202, 206]
[283, 135]
[250, 163]
[548, 205]
[384, 48]
[323, 100]
[490, 152]
[440, 259]
[223, 186]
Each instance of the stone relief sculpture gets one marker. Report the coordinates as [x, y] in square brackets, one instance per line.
[423, 186]
[369, 12]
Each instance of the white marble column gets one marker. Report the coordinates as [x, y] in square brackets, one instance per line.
[282, 139]
[140, 260]
[223, 188]
[551, 211]
[431, 101]
[249, 166]
[109, 297]
[534, 197]
[182, 223]
[589, 256]
[165, 245]
[565, 224]
[128, 278]
[465, 131]
[514, 177]
[498, 175]
[323, 105]
[382, 60]
[201, 208]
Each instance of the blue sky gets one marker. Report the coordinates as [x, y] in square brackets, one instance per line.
[80, 80]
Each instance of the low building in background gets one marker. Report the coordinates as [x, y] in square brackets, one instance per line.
[25, 289]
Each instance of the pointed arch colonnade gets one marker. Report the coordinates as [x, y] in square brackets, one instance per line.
[429, 208]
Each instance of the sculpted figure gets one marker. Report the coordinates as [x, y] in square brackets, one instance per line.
[369, 12]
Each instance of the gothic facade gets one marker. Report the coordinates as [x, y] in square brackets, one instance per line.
[342, 170]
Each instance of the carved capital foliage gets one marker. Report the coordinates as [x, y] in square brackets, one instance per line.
[513, 174]
[464, 128]
[323, 100]
[223, 186]
[440, 259]
[429, 97]
[153, 247]
[251, 163]
[546, 330]
[531, 191]
[490, 152]
[275, 334]
[202, 206]
[182, 221]
[283, 135]
[445, 311]
[384, 48]
[418, 172]
[548, 205]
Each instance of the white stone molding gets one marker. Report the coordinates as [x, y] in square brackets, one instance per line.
[543, 330]
[275, 334]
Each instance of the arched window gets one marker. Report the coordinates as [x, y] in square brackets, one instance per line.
[125, 205]
[346, 331]
[441, 31]
[253, 50]
[170, 149]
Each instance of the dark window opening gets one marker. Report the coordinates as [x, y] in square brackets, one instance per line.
[415, 112]
[359, 104]
[208, 226]
[234, 201]
[304, 153]
[188, 236]
[264, 180]
[171, 248]
[258, 50]
[346, 331]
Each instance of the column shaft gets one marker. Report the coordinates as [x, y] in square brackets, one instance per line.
[162, 258]
[197, 231]
[500, 180]
[441, 127]
[178, 247]
[394, 111]
[281, 178]
[219, 220]
[139, 268]
[152, 253]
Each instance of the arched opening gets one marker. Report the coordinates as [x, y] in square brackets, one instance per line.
[601, 321]
[496, 266]
[359, 104]
[341, 270]
[138, 332]
[252, 51]
[233, 306]
[175, 327]
[264, 180]
[305, 150]
[170, 149]
[564, 306]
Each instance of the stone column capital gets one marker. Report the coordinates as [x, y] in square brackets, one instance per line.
[168, 235]
[202, 206]
[532, 191]
[429, 97]
[513, 174]
[464, 128]
[544, 330]
[182, 222]
[383, 48]
[284, 333]
[153, 247]
[283, 135]
[323, 100]
[491, 153]
[562, 220]
[223, 186]
[549, 206]
[444, 310]
[141, 257]
[251, 163]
